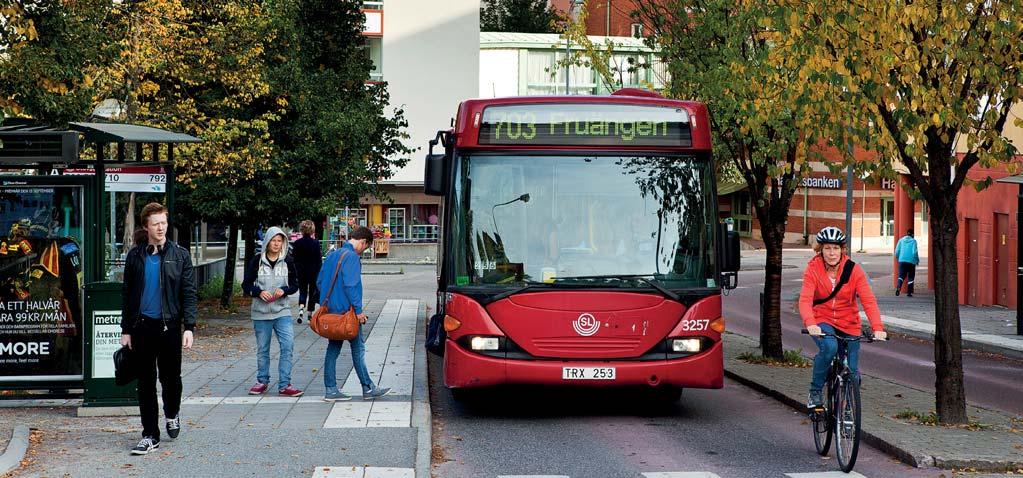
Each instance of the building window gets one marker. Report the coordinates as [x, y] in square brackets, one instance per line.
[627, 69]
[374, 50]
[544, 76]
[742, 213]
[637, 30]
[396, 222]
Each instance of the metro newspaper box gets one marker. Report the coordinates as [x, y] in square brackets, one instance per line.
[103, 311]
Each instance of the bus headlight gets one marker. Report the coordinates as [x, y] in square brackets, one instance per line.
[480, 344]
[686, 345]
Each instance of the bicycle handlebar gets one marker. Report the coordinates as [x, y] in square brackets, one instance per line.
[862, 338]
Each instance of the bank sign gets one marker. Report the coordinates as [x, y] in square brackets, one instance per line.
[822, 183]
[40, 283]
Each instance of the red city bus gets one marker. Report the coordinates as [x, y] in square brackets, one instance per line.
[580, 244]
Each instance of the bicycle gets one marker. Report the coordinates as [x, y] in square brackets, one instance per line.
[840, 413]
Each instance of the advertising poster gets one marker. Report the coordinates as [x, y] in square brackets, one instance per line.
[41, 282]
[106, 339]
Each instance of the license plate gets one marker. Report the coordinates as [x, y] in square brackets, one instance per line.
[587, 373]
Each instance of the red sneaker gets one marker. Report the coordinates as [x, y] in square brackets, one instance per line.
[257, 389]
[290, 391]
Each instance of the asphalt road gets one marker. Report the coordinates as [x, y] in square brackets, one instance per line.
[733, 432]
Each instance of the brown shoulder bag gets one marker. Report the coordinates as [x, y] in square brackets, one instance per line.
[335, 326]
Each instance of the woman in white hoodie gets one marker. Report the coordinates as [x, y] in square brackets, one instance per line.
[269, 279]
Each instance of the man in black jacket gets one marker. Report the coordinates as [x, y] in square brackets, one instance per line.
[158, 301]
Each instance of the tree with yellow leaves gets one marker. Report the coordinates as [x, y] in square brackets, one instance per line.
[719, 52]
[929, 84]
[52, 51]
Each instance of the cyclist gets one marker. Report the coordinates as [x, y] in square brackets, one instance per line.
[839, 315]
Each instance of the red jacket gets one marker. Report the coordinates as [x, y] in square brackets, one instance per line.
[840, 312]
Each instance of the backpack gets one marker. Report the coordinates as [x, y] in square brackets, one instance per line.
[846, 273]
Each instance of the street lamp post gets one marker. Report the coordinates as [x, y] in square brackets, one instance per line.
[568, 43]
[863, 211]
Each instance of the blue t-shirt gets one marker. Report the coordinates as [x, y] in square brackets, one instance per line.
[151, 305]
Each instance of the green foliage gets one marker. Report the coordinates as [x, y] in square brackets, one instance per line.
[523, 16]
[338, 136]
[213, 288]
[52, 53]
[790, 358]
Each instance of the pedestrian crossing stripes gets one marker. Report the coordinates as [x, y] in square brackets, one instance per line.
[362, 472]
[706, 474]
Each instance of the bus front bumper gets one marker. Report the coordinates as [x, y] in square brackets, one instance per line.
[463, 369]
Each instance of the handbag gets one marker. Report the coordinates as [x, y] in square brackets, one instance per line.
[335, 326]
[125, 370]
[435, 334]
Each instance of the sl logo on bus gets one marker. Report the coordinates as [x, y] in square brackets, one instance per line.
[586, 325]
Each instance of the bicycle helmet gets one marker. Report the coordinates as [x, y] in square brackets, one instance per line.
[831, 235]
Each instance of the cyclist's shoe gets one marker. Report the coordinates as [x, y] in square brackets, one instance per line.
[815, 401]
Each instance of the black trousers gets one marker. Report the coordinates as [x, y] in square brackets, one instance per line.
[907, 274]
[308, 294]
[157, 350]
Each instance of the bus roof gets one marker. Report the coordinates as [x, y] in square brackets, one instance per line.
[470, 120]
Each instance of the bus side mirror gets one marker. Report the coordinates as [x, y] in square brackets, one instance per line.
[728, 256]
[433, 184]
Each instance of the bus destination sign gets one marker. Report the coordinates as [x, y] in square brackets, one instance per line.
[581, 124]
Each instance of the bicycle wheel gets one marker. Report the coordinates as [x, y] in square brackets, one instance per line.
[821, 421]
[847, 428]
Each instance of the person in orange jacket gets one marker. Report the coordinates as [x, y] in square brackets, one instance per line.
[839, 315]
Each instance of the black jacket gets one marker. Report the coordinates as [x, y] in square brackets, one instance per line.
[177, 283]
[308, 256]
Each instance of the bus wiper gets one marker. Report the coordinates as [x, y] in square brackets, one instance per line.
[533, 285]
[509, 293]
[646, 278]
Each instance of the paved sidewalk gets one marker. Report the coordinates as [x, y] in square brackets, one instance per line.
[228, 433]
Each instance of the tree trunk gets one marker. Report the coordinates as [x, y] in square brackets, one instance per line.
[771, 340]
[184, 238]
[950, 396]
[229, 267]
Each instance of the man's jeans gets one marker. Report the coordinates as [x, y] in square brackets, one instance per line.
[285, 338]
[358, 362]
[828, 348]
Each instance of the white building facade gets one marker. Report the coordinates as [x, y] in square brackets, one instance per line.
[427, 51]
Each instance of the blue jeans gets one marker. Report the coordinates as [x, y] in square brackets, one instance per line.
[828, 348]
[285, 338]
[358, 361]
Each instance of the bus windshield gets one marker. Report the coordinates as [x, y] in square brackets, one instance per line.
[614, 221]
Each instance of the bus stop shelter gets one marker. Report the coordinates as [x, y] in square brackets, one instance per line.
[60, 301]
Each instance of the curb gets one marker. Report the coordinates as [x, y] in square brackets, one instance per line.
[16, 449]
[867, 437]
[979, 342]
[421, 412]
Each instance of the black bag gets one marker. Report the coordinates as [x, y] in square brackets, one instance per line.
[846, 272]
[125, 370]
[435, 334]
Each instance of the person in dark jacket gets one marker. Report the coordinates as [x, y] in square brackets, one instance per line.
[269, 279]
[158, 301]
[307, 261]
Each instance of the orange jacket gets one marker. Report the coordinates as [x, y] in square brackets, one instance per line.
[840, 312]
